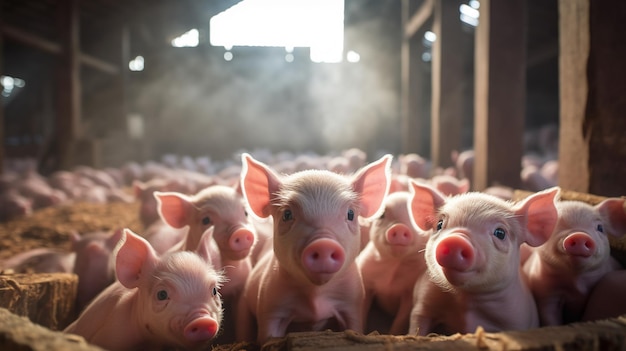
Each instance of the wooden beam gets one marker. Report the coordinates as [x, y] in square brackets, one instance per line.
[417, 20]
[415, 102]
[51, 47]
[449, 82]
[500, 93]
[68, 82]
[31, 40]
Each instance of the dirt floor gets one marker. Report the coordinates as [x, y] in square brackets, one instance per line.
[51, 227]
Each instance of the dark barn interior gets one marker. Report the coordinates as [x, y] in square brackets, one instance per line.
[532, 89]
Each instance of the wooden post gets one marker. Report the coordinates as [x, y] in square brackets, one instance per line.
[68, 94]
[592, 140]
[500, 85]
[415, 120]
[448, 80]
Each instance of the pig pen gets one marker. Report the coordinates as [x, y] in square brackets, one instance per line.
[32, 320]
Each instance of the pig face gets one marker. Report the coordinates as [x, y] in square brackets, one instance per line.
[580, 240]
[218, 207]
[476, 238]
[178, 302]
[315, 213]
[392, 232]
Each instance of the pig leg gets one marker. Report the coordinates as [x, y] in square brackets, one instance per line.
[245, 321]
[400, 325]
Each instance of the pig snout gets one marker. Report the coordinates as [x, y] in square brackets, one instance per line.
[323, 256]
[455, 252]
[579, 244]
[242, 239]
[399, 234]
[201, 329]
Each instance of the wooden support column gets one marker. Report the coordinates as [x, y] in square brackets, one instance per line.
[415, 119]
[67, 127]
[448, 82]
[574, 52]
[500, 85]
[592, 140]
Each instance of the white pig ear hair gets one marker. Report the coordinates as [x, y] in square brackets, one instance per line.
[134, 256]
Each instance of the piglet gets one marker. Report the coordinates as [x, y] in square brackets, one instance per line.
[450, 185]
[144, 193]
[606, 300]
[563, 271]
[310, 281]
[157, 302]
[13, 205]
[473, 260]
[219, 207]
[391, 263]
[40, 260]
[94, 263]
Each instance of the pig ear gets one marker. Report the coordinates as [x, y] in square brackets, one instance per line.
[258, 184]
[138, 188]
[134, 258]
[114, 238]
[613, 212]
[75, 239]
[372, 184]
[204, 246]
[174, 208]
[423, 205]
[464, 185]
[539, 214]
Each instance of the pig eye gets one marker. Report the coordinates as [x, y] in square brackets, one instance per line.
[287, 215]
[440, 224]
[600, 228]
[350, 215]
[162, 295]
[206, 220]
[499, 233]
[214, 292]
[382, 215]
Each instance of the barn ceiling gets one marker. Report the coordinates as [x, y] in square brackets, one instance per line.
[150, 23]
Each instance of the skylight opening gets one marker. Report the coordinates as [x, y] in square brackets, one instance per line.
[314, 24]
[189, 39]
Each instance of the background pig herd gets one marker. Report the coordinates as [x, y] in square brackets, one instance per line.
[272, 245]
